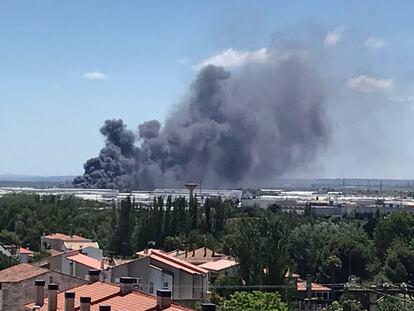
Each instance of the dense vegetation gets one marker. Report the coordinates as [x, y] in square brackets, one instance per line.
[266, 242]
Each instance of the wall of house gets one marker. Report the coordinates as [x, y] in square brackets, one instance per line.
[200, 286]
[23, 258]
[183, 283]
[80, 270]
[16, 295]
[138, 268]
[93, 252]
[1, 297]
[158, 277]
[54, 244]
[186, 286]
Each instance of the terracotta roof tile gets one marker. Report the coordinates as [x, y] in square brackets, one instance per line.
[23, 250]
[136, 301]
[20, 272]
[87, 261]
[80, 244]
[301, 286]
[98, 291]
[175, 262]
[198, 256]
[64, 237]
[109, 294]
[218, 265]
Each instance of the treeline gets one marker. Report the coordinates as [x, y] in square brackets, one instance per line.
[24, 218]
[169, 225]
[373, 248]
[266, 242]
[120, 229]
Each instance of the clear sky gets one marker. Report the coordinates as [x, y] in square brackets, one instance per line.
[66, 66]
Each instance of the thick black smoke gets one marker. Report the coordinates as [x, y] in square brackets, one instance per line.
[232, 130]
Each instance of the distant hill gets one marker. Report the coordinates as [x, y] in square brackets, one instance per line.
[12, 180]
[31, 178]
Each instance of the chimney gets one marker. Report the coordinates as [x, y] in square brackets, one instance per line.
[308, 286]
[313, 302]
[104, 308]
[208, 307]
[186, 253]
[36, 308]
[177, 252]
[307, 304]
[93, 275]
[52, 289]
[163, 299]
[127, 285]
[85, 304]
[145, 251]
[40, 292]
[193, 251]
[205, 251]
[69, 301]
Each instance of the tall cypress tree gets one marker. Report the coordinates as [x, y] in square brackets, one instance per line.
[121, 242]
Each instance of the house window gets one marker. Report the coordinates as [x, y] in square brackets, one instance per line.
[138, 285]
[165, 285]
[151, 288]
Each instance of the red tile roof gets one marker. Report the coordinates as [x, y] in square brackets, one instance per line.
[64, 237]
[293, 275]
[301, 286]
[25, 251]
[20, 272]
[87, 261]
[218, 265]
[98, 291]
[136, 301]
[175, 262]
[197, 256]
[109, 294]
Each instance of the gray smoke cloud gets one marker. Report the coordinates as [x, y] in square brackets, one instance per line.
[233, 129]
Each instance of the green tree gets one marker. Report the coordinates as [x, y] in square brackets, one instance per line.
[398, 226]
[399, 263]
[395, 304]
[316, 247]
[254, 301]
[261, 248]
[6, 262]
[124, 228]
[245, 245]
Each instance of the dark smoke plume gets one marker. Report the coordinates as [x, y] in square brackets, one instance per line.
[239, 129]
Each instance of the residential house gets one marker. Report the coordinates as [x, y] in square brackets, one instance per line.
[73, 262]
[316, 290]
[7, 248]
[80, 264]
[12, 250]
[24, 254]
[222, 267]
[62, 242]
[197, 256]
[104, 296]
[58, 261]
[156, 270]
[16, 284]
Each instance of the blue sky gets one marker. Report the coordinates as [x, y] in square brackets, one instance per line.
[65, 67]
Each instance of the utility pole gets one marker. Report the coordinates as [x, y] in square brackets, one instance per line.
[373, 299]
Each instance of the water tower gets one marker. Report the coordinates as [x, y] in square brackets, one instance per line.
[191, 186]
